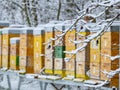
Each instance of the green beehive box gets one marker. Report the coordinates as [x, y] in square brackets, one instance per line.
[0, 32]
[59, 52]
[17, 61]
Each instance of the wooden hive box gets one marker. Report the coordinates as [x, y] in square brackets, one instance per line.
[0, 48]
[26, 50]
[70, 65]
[39, 36]
[94, 70]
[14, 53]
[7, 34]
[82, 57]
[59, 63]
[49, 53]
[81, 69]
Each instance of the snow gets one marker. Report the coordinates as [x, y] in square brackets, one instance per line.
[14, 40]
[111, 74]
[17, 26]
[4, 23]
[96, 86]
[112, 58]
[78, 49]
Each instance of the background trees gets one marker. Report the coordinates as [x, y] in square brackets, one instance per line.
[34, 12]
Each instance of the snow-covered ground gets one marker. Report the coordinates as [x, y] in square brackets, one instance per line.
[26, 84]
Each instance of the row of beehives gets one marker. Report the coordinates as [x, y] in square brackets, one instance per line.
[29, 51]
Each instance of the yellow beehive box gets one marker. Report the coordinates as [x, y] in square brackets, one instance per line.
[69, 37]
[110, 47]
[49, 60]
[81, 69]
[95, 70]
[14, 62]
[49, 65]
[107, 67]
[22, 64]
[95, 44]
[59, 29]
[59, 68]
[14, 53]
[95, 56]
[0, 48]
[39, 36]
[105, 56]
[70, 64]
[110, 39]
[7, 34]
[70, 67]
[5, 64]
[26, 50]
[83, 55]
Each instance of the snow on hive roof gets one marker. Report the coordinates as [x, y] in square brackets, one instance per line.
[14, 40]
[10, 30]
[92, 27]
[17, 26]
[27, 30]
[38, 30]
[4, 23]
[116, 23]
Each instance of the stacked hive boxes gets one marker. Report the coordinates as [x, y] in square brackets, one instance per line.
[70, 65]
[110, 47]
[0, 48]
[26, 51]
[7, 34]
[95, 57]
[14, 53]
[82, 57]
[59, 63]
[49, 60]
[2, 25]
[38, 49]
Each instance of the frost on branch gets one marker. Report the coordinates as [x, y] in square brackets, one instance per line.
[112, 58]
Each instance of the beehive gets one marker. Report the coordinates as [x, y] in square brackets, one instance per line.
[59, 63]
[70, 65]
[95, 47]
[49, 49]
[110, 47]
[82, 57]
[7, 34]
[4, 24]
[0, 48]
[26, 50]
[81, 69]
[95, 70]
[39, 36]
[14, 53]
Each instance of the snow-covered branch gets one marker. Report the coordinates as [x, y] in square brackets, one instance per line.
[112, 58]
[91, 37]
[98, 85]
[78, 49]
[111, 74]
[84, 12]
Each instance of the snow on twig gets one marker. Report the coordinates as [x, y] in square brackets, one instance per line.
[111, 74]
[78, 49]
[83, 13]
[98, 85]
[91, 37]
[112, 58]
